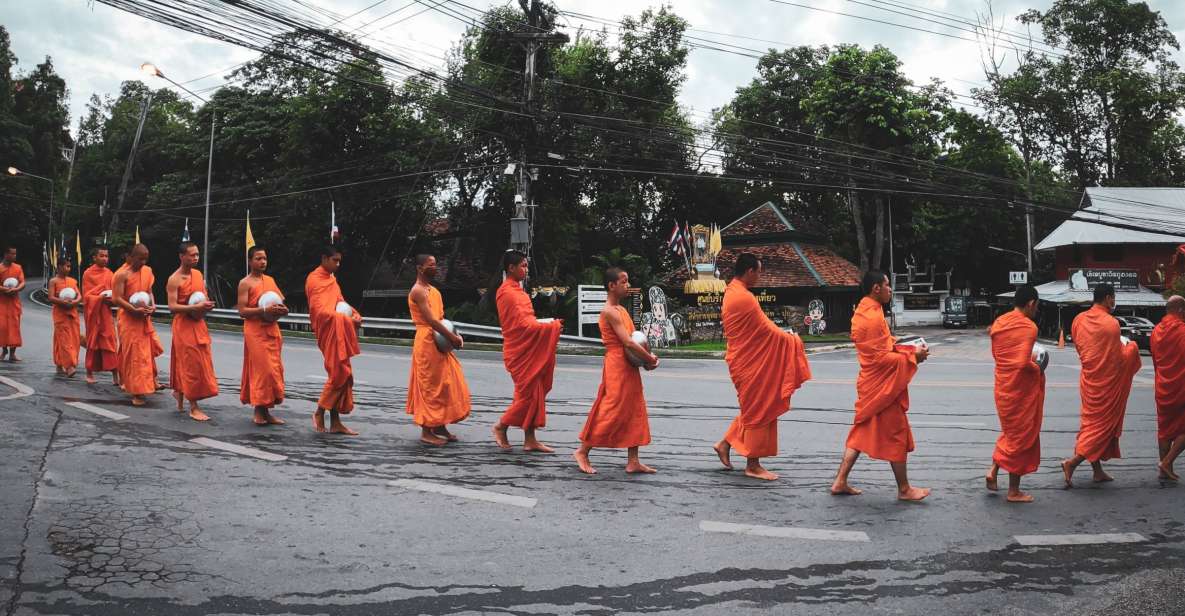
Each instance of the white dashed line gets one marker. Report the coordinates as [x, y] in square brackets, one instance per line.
[784, 532]
[481, 495]
[98, 410]
[1079, 539]
[239, 449]
[322, 377]
[948, 424]
[22, 390]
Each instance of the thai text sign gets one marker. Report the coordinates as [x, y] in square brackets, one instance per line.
[1086, 279]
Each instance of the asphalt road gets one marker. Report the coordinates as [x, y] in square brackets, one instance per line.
[108, 516]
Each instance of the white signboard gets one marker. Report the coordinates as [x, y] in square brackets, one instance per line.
[1018, 278]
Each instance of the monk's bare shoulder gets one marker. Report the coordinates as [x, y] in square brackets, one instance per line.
[418, 292]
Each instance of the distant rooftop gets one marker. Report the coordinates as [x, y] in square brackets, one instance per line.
[1151, 208]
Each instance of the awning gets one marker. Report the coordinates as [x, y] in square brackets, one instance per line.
[1059, 292]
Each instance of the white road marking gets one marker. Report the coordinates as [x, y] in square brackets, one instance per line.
[783, 532]
[1083, 539]
[322, 377]
[949, 424]
[239, 449]
[22, 390]
[481, 495]
[98, 410]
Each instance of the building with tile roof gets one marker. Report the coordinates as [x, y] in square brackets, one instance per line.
[798, 267]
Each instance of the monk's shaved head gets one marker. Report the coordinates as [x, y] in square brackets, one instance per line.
[1175, 305]
[139, 249]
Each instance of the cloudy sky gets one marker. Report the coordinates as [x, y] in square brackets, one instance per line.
[96, 47]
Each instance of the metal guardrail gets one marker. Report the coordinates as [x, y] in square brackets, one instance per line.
[468, 330]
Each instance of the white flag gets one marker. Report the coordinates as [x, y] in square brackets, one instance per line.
[334, 233]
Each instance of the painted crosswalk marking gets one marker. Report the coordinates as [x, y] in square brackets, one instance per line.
[239, 449]
[784, 532]
[22, 390]
[1080, 539]
[98, 410]
[481, 495]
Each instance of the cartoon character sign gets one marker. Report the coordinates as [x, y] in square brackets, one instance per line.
[814, 318]
[657, 324]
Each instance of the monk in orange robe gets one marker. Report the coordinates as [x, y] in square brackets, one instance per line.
[139, 345]
[880, 428]
[437, 394]
[1108, 366]
[263, 367]
[67, 337]
[1020, 394]
[1168, 356]
[102, 352]
[10, 305]
[528, 352]
[337, 337]
[767, 365]
[617, 419]
[191, 364]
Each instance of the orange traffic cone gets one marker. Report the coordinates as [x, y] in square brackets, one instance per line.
[1061, 338]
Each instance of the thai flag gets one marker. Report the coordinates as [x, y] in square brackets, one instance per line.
[675, 244]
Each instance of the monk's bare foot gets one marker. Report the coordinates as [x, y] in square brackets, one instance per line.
[115, 379]
[58, 371]
[913, 494]
[722, 450]
[1020, 497]
[272, 420]
[443, 432]
[70, 373]
[638, 468]
[433, 440]
[196, 414]
[582, 461]
[90, 379]
[1101, 477]
[759, 472]
[319, 421]
[340, 428]
[138, 401]
[160, 386]
[1069, 474]
[537, 446]
[990, 480]
[1167, 473]
[260, 418]
[500, 437]
[841, 488]
[13, 358]
[180, 400]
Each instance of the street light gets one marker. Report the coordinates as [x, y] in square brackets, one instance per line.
[13, 171]
[151, 70]
[1014, 252]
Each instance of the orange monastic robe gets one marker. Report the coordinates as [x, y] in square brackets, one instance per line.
[437, 394]
[1020, 393]
[67, 337]
[139, 346]
[101, 347]
[881, 429]
[263, 366]
[617, 418]
[191, 364]
[1168, 356]
[336, 337]
[528, 352]
[1106, 381]
[766, 365]
[10, 307]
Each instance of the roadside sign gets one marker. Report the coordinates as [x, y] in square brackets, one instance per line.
[1018, 278]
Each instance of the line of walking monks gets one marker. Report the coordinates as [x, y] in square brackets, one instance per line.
[766, 364]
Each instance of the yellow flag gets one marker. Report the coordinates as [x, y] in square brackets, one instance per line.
[250, 238]
[137, 234]
[53, 258]
[715, 243]
[78, 247]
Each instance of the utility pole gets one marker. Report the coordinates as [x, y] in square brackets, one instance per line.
[127, 171]
[522, 224]
[1029, 241]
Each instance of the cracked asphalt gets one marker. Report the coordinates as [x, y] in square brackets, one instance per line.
[105, 517]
